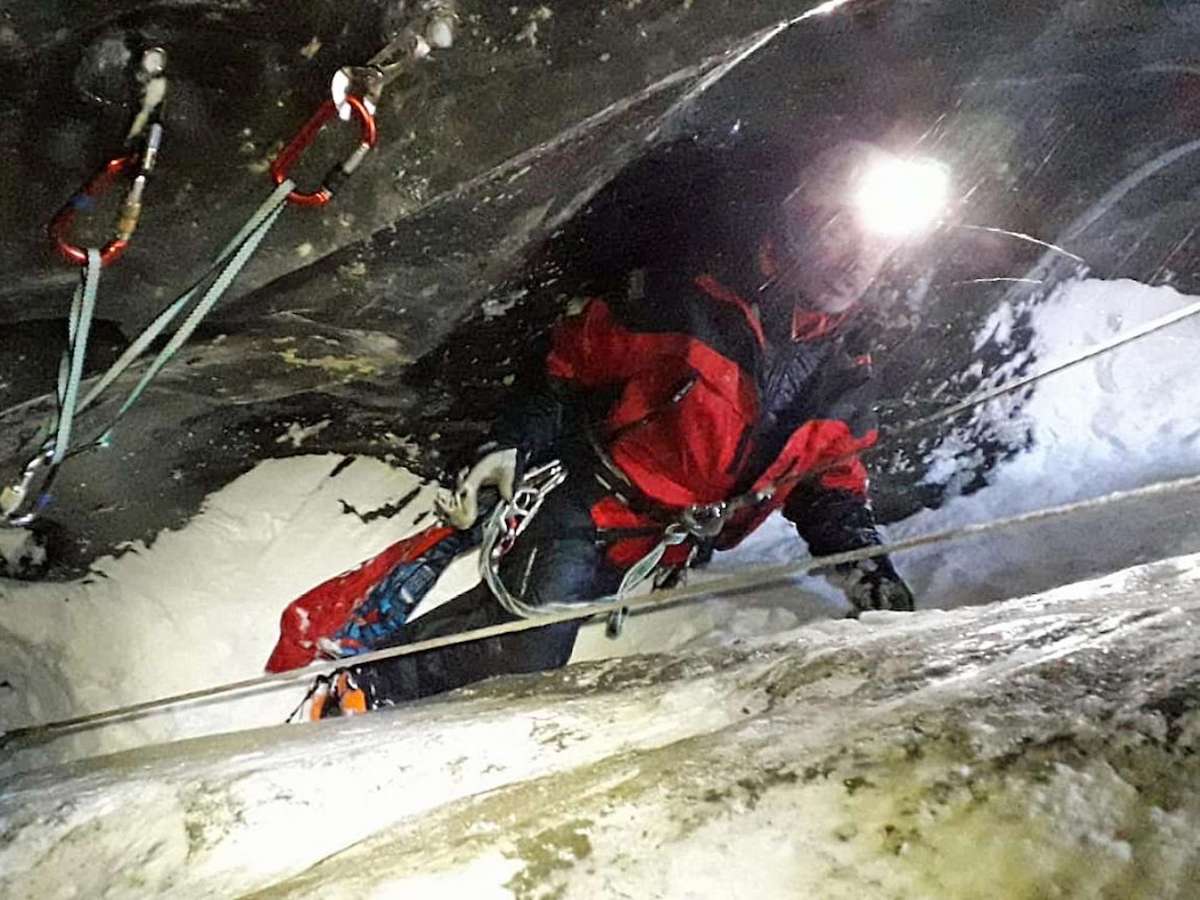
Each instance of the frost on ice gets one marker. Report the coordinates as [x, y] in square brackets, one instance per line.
[1042, 747]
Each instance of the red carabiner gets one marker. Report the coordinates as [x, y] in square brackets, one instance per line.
[338, 174]
[58, 226]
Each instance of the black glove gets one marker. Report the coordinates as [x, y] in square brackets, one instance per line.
[872, 584]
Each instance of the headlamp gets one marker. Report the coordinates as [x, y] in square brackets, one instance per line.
[901, 197]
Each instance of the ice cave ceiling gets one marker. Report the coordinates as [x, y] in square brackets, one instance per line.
[508, 170]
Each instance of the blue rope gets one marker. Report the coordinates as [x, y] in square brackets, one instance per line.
[70, 370]
[244, 247]
[241, 248]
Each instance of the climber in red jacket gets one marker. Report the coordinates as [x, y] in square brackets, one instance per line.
[716, 389]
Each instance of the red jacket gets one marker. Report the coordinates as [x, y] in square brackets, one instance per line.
[703, 409]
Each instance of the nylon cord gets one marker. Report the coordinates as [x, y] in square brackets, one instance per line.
[79, 324]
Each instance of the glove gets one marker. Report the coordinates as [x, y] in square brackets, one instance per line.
[497, 468]
[872, 584]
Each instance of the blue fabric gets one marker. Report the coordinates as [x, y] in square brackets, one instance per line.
[379, 619]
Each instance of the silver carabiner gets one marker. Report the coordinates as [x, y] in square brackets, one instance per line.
[13, 497]
[529, 497]
[527, 500]
[368, 81]
[705, 520]
[364, 82]
[545, 478]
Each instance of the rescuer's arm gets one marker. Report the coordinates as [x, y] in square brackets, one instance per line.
[589, 354]
[837, 519]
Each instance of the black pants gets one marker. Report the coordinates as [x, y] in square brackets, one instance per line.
[556, 559]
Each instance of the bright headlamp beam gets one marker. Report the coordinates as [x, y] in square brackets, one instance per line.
[899, 198]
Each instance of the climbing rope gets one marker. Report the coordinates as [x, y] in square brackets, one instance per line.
[749, 579]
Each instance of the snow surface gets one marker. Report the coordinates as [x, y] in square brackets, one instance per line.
[200, 607]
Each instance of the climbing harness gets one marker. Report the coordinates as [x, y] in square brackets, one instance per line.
[510, 518]
[702, 522]
[705, 521]
[748, 579]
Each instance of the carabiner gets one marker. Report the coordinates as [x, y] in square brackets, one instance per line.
[82, 199]
[307, 134]
[13, 497]
[704, 520]
[131, 208]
